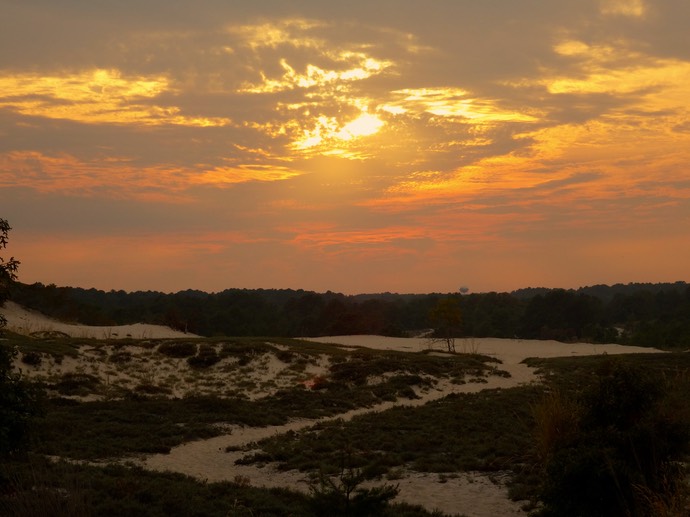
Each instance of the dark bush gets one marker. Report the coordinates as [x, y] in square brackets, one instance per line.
[18, 405]
[343, 495]
[178, 349]
[77, 384]
[151, 389]
[31, 358]
[620, 450]
[206, 357]
[285, 356]
[120, 357]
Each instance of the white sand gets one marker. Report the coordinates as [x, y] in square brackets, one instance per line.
[27, 322]
[473, 494]
[511, 352]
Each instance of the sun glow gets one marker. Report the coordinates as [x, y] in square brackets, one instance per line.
[328, 135]
[365, 125]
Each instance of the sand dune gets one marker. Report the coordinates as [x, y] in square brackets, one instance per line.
[28, 322]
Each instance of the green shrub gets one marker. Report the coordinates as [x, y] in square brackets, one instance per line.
[342, 495]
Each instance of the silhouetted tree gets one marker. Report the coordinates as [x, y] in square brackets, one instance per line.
[17, 400]
[446, 317]
[8, 269]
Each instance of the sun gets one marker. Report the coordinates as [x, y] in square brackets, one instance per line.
[364, 125]
[328, 133]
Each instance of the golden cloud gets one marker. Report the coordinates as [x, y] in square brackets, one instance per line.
[633, 8]
[66, 173]
[356, 67]
[290, 32]
[616, 69]
[451, 102]
[95, 97]
[223, 176]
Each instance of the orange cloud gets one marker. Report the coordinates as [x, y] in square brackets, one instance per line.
[221, 176]
[120, 177]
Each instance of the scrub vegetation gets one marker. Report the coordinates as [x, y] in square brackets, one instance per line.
[535, 437]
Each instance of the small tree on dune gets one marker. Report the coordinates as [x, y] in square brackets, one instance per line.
[446, 317]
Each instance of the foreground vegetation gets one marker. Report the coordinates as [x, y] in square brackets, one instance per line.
[509, 434]
[83, 418]
[35, 486]
[601, 436]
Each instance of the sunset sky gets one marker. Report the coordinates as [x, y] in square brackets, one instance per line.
[358, 147]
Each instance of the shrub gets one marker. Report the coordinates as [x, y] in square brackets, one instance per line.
[31, 358]
[343, 496]
[178, 349]
[121, 357]
[206, 357]
[614, 450]
[146, 388]
[77, 384]
[18, 405]
[285, 356]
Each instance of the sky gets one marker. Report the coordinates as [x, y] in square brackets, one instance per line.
[359, 147]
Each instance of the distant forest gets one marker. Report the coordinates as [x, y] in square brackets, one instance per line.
[640, 314]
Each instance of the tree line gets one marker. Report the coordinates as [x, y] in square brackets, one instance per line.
[640, 314]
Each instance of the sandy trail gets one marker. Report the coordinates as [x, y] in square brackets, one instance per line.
[207, 460]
